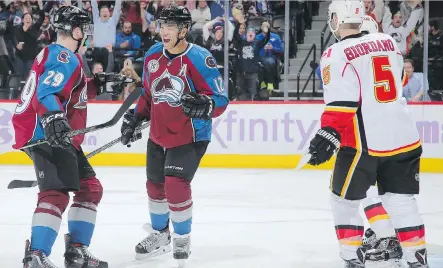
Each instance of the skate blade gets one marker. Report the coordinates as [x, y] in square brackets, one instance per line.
[160, 251]
[386, 264]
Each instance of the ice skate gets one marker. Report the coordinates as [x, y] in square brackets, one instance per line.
[78, 256]
[36, 259]
[387, 248]
[155, 244]
[359, 262]
[182, 248]
[422, 260]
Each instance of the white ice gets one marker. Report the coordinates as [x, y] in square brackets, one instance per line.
[242, 219]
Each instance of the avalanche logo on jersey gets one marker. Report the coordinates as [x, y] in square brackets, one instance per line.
[167, 88]
[82, 99]
[63, 56]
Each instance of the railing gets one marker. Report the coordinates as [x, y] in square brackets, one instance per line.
[312, 74]
[322, 38]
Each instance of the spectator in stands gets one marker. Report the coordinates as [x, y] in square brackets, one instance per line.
[150, 35]
[131, 12]
[97, 67]
[5, 66]
[406, 8]
[127, 40]
[381, 13]
[201, 15]
[128, 71]
[415, 89]
[248, 54]
[215, 42]
[154, 7]
[435, 54]
[47, 33]
[104, 29]
[269, 55]
[25, 40]
[400, 31]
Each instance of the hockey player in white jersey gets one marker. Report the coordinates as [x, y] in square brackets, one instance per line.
[367, 121]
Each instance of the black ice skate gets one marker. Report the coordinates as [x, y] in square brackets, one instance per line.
[387, 248]
[78, 256]
[359, 262]
[422, 260]
[155, 244]
[182, 248]
[36, 259]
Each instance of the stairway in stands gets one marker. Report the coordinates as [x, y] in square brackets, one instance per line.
[312, 36]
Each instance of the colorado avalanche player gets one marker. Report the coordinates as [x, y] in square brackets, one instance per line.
[52, 103]
[183, 91]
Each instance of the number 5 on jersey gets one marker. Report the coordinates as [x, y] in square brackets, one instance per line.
[384, 81]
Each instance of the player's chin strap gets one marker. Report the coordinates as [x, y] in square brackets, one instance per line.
[180, 29]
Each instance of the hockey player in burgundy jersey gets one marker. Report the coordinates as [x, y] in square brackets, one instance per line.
[183, 91]
[53, 102]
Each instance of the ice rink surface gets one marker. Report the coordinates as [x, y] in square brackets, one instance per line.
[242, 219]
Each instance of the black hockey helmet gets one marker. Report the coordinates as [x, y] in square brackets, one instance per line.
[67, 18]
[176, 14]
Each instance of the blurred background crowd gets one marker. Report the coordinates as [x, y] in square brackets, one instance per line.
[124, 30]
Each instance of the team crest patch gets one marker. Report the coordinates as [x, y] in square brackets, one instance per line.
[153, 66]
[167, 88]
[63, 57]
[210, 62]
[83, 99]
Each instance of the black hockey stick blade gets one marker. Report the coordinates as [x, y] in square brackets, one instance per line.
[113, 142]
[21, 184]
[121, 111]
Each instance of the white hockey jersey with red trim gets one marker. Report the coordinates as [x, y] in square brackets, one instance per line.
[362, 78]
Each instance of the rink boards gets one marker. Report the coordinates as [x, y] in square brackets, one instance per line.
[247, 135]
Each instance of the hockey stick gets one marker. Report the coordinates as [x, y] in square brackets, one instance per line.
[113, 142]
[121, 111]
[28, 184]
[303, 161]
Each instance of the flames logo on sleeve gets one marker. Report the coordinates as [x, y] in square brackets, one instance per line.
[167, 88]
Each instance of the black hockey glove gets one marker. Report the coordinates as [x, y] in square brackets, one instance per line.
[56, 127]
[323, 145]
[198, 106]
[128, 130]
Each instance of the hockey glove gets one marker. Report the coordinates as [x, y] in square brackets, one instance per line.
[56, 127]
[128, 130]
[198, 106]
[323, 145]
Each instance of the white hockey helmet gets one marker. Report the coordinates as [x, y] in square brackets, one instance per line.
[346, 11]
[369, 25]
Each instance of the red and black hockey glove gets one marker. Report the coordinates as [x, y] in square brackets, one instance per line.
[198, 106]
[55, 125]
[323, 145]
[128, 130]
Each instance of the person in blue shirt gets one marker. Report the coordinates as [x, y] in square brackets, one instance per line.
[127, 40]
[269, 55]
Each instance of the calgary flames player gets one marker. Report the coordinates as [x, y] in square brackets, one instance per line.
[366, 120]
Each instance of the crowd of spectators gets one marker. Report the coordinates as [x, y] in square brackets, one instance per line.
[124, 30]
[403, 20]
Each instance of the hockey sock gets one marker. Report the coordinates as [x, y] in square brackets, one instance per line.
[376, 214]
[178, 193]
[407, 222]
[83, 211]
[47, 219]
[158, 205]
[348, 225]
